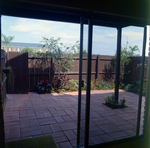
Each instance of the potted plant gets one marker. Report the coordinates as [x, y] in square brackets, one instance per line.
[44, 86]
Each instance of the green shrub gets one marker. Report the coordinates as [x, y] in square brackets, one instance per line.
[144, 89]
[121, 85]
[135, 87]
[123, 101]
[94, 84]
[129, 87]
[84, 87]
[70, 88]
[105, 85]
[110, 99]
[73, 86]
[75, 83]
[98, 86]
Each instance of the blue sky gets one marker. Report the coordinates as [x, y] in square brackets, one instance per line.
[104, 38]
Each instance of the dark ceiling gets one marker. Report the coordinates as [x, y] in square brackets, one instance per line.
[105, 12]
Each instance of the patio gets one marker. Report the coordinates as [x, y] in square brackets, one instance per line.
[31, 115]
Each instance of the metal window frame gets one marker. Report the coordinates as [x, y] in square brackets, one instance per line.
[2, 132]
[147, 102]
[141, 82]
[80, 81]
[88, 87]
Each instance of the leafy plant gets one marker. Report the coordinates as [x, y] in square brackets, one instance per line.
[63, 62]
[76, 47]
[84, 87]
[123, 101]
[51, 45]
[121, 85]
[44, 86]
[60, 63]
[94, 85]
[70, 88]
[27, 49]
[112, 96]
[111, 102]
[135, 87]
[60, 81]
[105, 85]
[109, 99]
[75, 83]
[125, 60]
[129, 87]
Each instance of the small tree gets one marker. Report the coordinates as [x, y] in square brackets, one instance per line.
[51, 45]
[7, 39]
[64, 59]
[56, 51]
[126, 52]
[27, 49]
[76, 48]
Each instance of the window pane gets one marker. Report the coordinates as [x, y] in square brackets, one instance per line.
[102, 85]
[130, 77]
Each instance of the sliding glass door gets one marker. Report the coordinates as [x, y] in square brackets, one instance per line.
[105, 76]
[84, 81]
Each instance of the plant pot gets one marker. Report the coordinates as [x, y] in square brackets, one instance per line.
[6, 70]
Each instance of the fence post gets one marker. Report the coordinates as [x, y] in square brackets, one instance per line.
[97, 67]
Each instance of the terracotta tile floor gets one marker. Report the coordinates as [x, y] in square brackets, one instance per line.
[31, 115]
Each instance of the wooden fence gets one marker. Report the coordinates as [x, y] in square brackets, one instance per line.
[133, 70]
[31, 69]
[101, 69]
[3, 77]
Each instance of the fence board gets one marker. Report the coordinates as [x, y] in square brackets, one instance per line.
[19, 62]
[133, 70]
[3, 77]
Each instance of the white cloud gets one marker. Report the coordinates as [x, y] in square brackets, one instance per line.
[68, 32]
[35, 33]
[104, 38]
[27, 25]
[132, 36]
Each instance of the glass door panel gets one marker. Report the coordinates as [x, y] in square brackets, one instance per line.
[82, 83]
